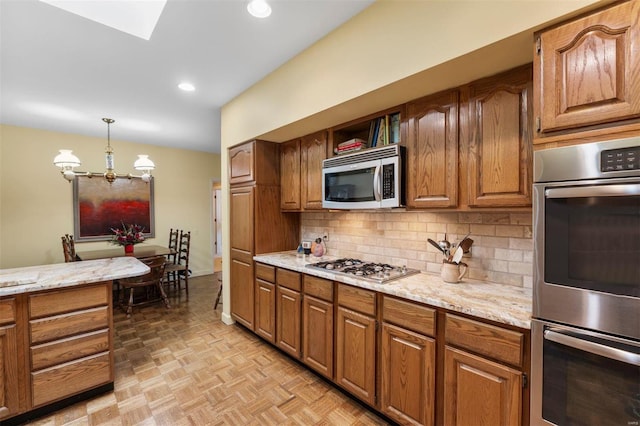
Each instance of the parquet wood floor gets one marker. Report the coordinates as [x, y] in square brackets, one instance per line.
[185, 367]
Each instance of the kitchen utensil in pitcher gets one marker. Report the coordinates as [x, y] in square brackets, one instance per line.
[457, 255]
[465, 244]
[436, 245]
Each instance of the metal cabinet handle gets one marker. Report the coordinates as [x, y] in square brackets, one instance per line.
[592, 347]
[376, 183]
[594, 191]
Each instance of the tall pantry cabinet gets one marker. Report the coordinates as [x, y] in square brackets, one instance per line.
[256, 222]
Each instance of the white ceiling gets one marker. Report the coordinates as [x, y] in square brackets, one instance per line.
[62, 72]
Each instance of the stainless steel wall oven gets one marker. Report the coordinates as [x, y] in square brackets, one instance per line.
[586, 295]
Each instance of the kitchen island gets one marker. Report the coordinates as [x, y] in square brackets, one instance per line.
[417, 349]
[56, 334]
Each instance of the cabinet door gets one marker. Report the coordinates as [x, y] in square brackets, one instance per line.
[317, 335]
[241, 163]
[241, 220]
[356, 354]
[8, 371]
[586, 71]
[408, 362]
[265, 313]
[290, 175]
[432, 151]
[288, 307]
[314, 150]
[500, 152]
[480, 392]
[242, 292]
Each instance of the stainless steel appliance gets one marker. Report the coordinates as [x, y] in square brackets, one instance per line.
[375, 272]
[366, 179]
[586, 285]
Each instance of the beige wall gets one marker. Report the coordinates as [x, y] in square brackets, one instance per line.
[36, 202]
[392, 52]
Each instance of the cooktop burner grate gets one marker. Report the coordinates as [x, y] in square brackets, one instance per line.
[377, 272]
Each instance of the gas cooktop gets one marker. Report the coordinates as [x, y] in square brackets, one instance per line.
[375, 272]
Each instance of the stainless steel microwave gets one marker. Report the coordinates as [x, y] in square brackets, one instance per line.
[367, 179]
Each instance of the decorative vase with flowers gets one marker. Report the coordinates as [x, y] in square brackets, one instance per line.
[127, 236]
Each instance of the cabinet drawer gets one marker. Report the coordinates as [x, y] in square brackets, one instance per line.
[57, 302]
[358, 299]
[7, 311]
[409, 315]
[68, 379]
[57, 327]
[266, 272]
[318, 287]
[61, 351]
[495, 342]
[289, 279]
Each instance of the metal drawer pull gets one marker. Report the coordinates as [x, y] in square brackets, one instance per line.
[594, 191]
[594, 348]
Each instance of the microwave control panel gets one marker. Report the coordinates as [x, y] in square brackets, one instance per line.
[615, 160]
[388, 187]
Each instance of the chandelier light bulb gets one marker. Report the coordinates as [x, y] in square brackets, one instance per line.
[69, 175]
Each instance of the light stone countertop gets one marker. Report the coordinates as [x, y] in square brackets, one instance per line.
[497, 302]
[59, 275]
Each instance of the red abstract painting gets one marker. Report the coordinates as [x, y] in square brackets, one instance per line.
[100, 206]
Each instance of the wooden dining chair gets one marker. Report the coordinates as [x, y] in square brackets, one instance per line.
[68, 248]
[179, 270]
[174, 235]
[152, 281]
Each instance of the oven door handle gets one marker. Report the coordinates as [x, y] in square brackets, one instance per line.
[594, 191]
[592, 347]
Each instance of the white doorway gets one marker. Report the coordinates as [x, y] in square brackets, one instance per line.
[217, 226]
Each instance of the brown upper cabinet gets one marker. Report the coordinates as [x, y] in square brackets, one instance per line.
[586, 73]
[254, 162]
[499, 156]
[290, 176]
[301, 178]
[432, 151]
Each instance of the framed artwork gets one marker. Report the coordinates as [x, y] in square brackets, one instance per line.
[99, 206]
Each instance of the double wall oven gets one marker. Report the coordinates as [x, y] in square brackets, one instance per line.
[586, 296]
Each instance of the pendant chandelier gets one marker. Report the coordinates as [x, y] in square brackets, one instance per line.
[67, 162]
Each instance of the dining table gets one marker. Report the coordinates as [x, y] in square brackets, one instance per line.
[140, 252]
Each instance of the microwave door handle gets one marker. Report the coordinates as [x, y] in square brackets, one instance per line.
[594, 191]
[376, 183]
[592, 347]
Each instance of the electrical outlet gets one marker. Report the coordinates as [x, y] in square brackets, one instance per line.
[325, 235]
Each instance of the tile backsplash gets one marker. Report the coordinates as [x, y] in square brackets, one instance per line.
[502, 250]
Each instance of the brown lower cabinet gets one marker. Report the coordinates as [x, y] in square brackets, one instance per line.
[416, 364]
[9, 403]
[289, 309]
[479, 391]
[317, 325]
[54, 344]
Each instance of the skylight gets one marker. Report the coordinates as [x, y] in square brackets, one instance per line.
[135, 17]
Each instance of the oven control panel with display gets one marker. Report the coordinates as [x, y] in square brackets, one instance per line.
[614, 160]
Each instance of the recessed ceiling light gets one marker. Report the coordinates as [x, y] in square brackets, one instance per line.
[187, 87]
[138, 18]
[259, 8]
